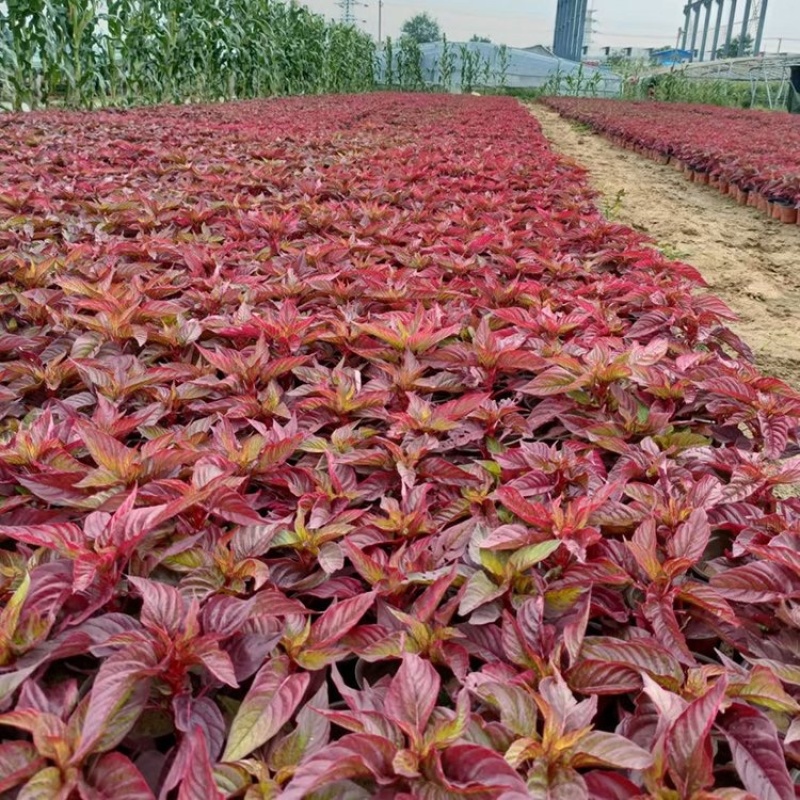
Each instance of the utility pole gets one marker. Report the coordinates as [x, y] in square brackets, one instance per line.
[380, 21]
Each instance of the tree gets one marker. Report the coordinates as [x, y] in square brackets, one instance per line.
[484, 39]
[732, 50]
[422, 28]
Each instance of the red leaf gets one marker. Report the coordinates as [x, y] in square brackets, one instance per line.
[119, 695]
[689, 747]
[659, 611]
[468, 767]
[757, 753]
[164, 607]
[339, 619]
[609, 786]
[198, 776]
[532, 513]
[412, 695]
[18, 762]
[114, 776]
[358, 755]
[64, 537]
[642, 654]
[691, 538]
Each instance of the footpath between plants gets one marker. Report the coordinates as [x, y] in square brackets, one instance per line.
[347, 450]
[752, 156]
[747, 260]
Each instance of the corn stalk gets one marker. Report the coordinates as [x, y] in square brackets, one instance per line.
[88, 53]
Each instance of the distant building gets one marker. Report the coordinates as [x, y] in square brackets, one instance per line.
[603, 54]
[670, 57]
[663, 56]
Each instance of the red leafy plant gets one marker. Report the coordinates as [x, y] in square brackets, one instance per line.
[347, 451]
[749, 148]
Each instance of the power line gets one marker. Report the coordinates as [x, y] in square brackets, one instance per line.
[348, 10]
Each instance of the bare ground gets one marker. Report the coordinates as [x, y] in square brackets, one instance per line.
[748, 260]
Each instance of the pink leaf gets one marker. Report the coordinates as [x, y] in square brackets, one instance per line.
[339, 619]
[757, 753]
[689, 747]
[691, 538]
[163, 607]
[114, 776]
[412, 694]
[18, 762]
[119, 695]
[611, 750]
[198, 777]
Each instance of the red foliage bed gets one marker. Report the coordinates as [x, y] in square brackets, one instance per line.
[757, 151]
[346, 451]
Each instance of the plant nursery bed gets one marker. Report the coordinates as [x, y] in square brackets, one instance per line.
[747, 260]
[348, 451]
[750, 155]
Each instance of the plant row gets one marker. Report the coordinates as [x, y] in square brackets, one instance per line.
[347, 451]
[122, 52]
[754, 156]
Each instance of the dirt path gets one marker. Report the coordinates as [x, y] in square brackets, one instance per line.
[750, 261]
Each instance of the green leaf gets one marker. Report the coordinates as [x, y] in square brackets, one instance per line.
[9, 616]
[518, 709]
[268, 706]
[44, 785]
[309, 736]
[763, 688]
[527, 557]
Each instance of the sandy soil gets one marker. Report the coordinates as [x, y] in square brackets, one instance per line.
[749, 260]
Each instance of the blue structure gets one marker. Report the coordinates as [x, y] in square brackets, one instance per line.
[670, 57]
[570, 28]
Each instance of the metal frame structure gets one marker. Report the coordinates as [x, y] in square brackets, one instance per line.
[570, 29]
[695, 8]
[775, 73]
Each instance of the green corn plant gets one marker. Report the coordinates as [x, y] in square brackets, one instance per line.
[389, 65]
[89, 53]
[502, 64]
[484, 70]
[409, 65]
[554, 83]
[447, 65]
[23, 30]
[472, 68]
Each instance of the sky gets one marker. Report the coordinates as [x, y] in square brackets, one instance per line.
[521, 23]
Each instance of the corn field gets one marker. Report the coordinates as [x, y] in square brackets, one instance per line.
[90, 53]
